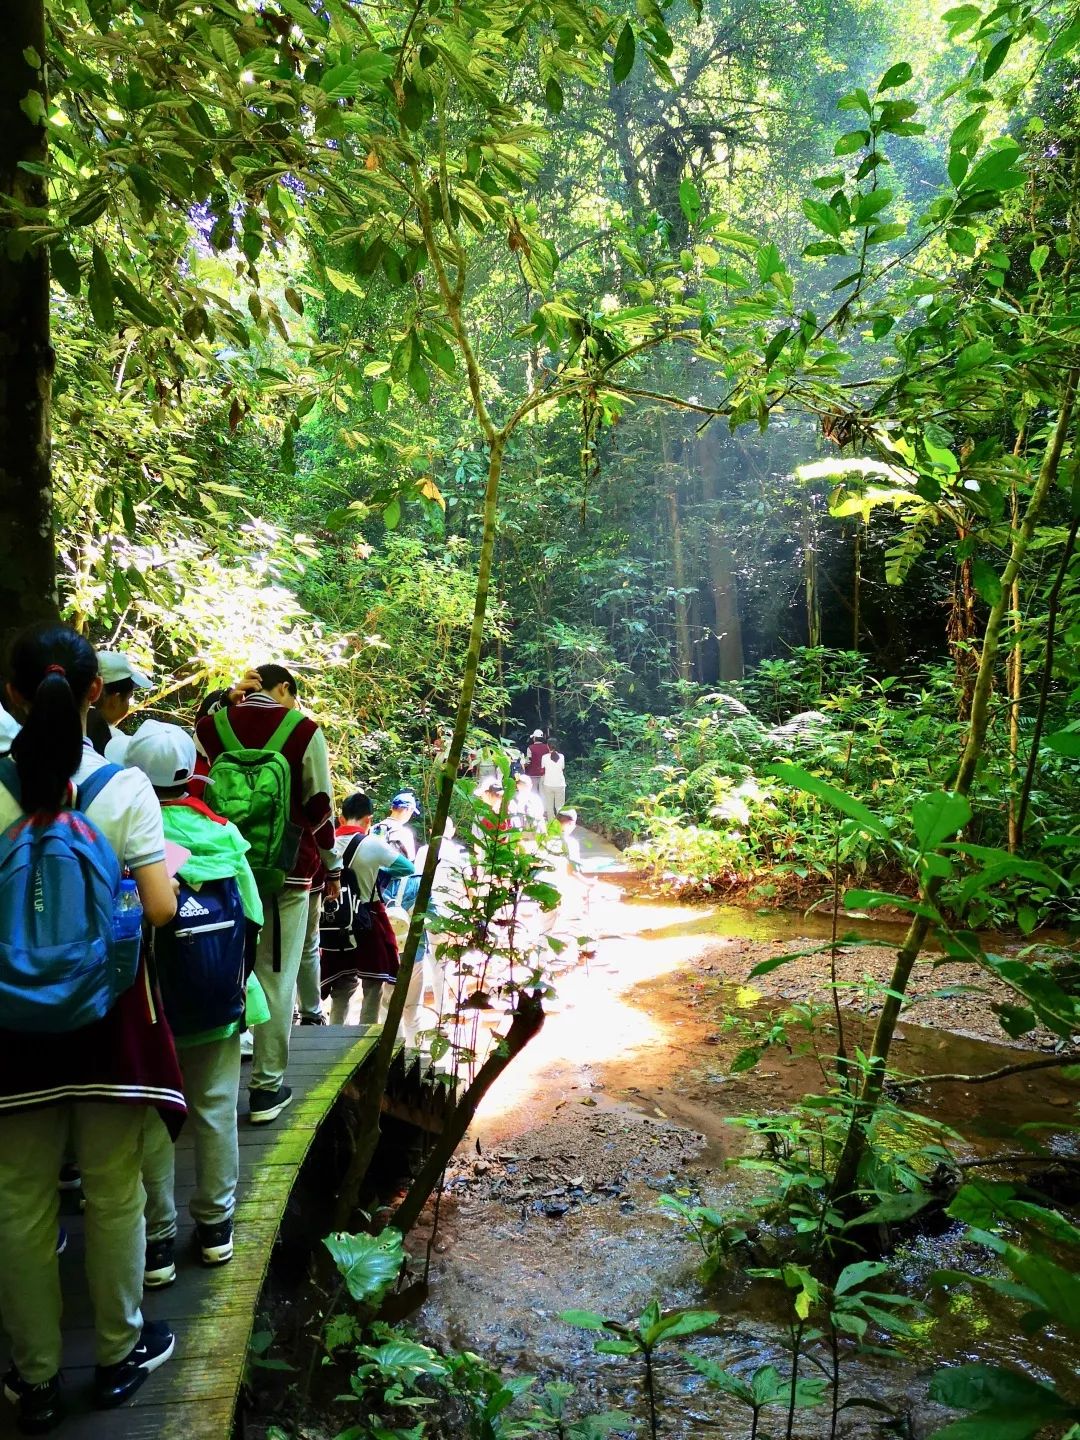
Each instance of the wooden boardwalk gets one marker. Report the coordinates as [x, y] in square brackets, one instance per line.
[193, 1397]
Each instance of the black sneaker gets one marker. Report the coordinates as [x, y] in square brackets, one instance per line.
[312, 1019]
[39, 1408]
[267, 1105]
[160, 1263]
[113, 1384]
[70, 1177]
[215, 1242]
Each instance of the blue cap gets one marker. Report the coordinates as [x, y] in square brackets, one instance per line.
[404, 797]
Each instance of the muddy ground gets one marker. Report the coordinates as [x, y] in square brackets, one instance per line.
[628, 1094]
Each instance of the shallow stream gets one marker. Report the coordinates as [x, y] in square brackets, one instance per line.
[628, 1093]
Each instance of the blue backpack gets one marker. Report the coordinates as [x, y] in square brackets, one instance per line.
[61, 965]
[202, 957]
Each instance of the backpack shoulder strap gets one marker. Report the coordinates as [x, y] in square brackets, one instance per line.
[278, 739]
[350, 851]
[225, 732]
[92, 786]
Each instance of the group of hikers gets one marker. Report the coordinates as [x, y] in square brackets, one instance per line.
[170, 902]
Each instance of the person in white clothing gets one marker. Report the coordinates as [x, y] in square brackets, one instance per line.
[448, 895]
[553, 781]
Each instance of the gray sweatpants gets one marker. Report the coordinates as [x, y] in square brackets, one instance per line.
[108, 1143]
[211, 1084]
[308, 980]
[270, 1044]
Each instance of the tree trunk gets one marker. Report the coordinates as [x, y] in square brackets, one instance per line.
[683, 648]
[27, 550]
[961, 632]
[856, 588]
[810, 582]
[846, 1178]
[725, 587]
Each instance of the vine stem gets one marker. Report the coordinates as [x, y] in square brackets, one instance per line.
[857, 1139]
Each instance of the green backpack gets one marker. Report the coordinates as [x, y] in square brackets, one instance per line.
[253, 789]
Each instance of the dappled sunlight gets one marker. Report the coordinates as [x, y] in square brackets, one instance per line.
[596, 1017]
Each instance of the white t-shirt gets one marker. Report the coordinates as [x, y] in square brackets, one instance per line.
[553, 777]
[371, 855]
[126, 812]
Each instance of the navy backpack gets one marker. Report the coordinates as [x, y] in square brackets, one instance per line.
[202, 958]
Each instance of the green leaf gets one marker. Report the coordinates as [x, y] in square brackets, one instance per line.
[419, 381]
[852, 141]
[722, 1379]
[583, 1319]
[892, 1208]
[895, 75]
[625, 51]
[553, 96]
[802, 780]
[996, 56]
[996, 171]
[937, 817]
[1067, 40]
[990, 1387]
[369, 1264]
[821, 214]
[690, 201]
[380, 397]
[65, 269]
[986, 580]
[883, 233]
[868, 205]
[101, 290]
[1039, 256]
[961, 241]
[1064, 742]
[852, 1276]
[392, 514]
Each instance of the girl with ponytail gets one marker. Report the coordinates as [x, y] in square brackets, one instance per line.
[91, 1087]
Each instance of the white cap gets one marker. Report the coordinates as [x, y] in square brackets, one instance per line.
[537, 735]
[164, 753]
[114, 665]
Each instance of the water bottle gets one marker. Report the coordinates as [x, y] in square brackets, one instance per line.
[128, 912]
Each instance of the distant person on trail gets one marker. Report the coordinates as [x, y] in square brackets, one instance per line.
[534, 755]
[396, 827]
[120, 680]
[358, 943]
[270, 773]
[553, 781]
[203, 958]
[64, 1080]
[526, 807]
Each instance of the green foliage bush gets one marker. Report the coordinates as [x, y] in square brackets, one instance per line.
[696, 792]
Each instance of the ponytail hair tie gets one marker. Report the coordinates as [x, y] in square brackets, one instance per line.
[55, 670]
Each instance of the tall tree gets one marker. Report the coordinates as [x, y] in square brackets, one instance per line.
[27, 554]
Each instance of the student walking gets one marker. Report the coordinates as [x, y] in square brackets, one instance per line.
[359, 946]
[553, 781]
[63, 1080]
[270, 774]
[119, 679]
[203, 959]
[534, 755]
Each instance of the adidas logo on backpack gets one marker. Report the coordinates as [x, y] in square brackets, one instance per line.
[191, 909]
